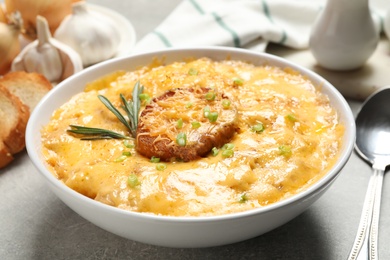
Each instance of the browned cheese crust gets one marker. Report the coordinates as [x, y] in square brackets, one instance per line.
[182, 111]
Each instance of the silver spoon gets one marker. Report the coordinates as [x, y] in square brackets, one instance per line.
[373, 145]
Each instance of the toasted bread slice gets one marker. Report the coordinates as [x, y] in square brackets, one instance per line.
[169, 118]
[13, 121]
[5, 155]
[28, 87]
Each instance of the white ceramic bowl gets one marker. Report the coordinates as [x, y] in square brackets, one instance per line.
[183, 231]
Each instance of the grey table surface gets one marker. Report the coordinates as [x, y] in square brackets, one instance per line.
[35, 224]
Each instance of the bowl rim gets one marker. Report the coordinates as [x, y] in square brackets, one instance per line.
[33, 129]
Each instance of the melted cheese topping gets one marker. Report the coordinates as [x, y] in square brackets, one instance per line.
[299, 144]
[161, 119]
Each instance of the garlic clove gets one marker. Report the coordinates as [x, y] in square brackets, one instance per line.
[71, 60]
[49, 62]
[47, 56]
[91, 34]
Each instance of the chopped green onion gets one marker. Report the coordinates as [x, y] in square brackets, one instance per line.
[195, 124]
[206, 111]
[214, 151]
[179, 123]
[181, 139]
[189, 105]
[228, 146]
[243, 198]
[126, 153]
[227, 150]
[292, 117]
[210, 96]
[285, 150]
[238, 81]
[193, 72]
[213, 116]
[127, 144]
[258, 128]
[121, 158]
[133, 180]
[226, 103]
[227, 153]
[145, 97]
[154, 159]
[161, 166]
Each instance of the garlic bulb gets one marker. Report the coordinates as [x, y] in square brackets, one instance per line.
[92, 35]
[47, 56]
[9, 41]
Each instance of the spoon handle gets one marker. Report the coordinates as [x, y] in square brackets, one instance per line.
[366, 241]
[373, 238]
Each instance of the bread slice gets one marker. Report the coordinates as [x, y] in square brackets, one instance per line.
[157, 131]
[28, 87]
[5, 156]
[13, 121]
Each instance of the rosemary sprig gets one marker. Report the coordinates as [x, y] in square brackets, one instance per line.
[115, 111]
[132, 108]
[132, 111]
[92, 133]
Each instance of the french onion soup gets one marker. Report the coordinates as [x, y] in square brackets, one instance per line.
[194, 138]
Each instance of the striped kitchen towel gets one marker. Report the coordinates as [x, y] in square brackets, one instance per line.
[249, 24]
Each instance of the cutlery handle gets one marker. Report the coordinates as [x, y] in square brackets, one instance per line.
[366, 241]
[373, 237]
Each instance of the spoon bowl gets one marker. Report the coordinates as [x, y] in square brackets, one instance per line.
[373, 128]
[373, 145]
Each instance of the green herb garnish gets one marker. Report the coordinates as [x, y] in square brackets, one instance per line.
[206, 111]
[154, 159]
[213, 116]
[243, 198]
[214, 151]
[292, 117]
[126, 153]
[226, 103]
[285, 150]
[195, 124]
[133, 180]
[121, 158]
[227, 153]
[161, 166]
[91, 133]
[132, 111]
[227, 150]
[228, 146]
[238, 81]
[179, 123]
[132, 108]
[258, 128]
[145, 98]
[193, 72]
[127, 144]
[181, 139]
[210, 96]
